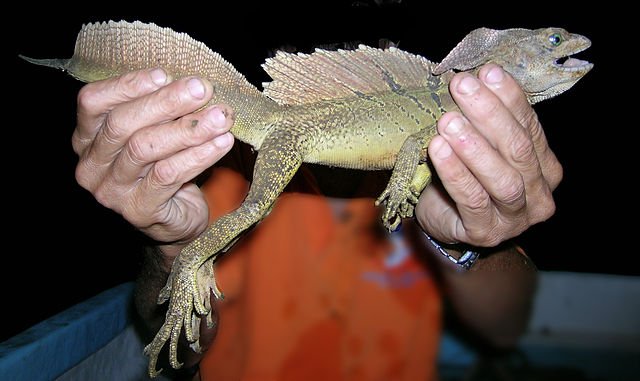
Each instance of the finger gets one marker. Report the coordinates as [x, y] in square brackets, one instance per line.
[436, 211]
[495, 121]
[96, 99]
[491, 181]
[155, 143]
[477, 213]
[152, 197]
[512, 96]
[179, 98]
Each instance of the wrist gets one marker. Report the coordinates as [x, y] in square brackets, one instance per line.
[458, 256]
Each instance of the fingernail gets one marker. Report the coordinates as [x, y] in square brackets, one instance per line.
[216, 116]
[468, 85]
[196, 88]
[441, 149]
[223, 141]
[158, 76]
[454, 127]
[495, 75]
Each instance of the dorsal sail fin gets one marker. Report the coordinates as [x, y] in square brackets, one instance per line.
[325, 75]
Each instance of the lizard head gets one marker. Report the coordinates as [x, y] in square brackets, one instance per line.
[540, 60]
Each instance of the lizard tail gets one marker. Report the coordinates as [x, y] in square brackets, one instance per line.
[54, 63]
[108, 49]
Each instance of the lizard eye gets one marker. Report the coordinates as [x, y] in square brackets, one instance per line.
[555, 39]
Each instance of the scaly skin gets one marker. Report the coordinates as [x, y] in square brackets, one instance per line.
[365, 109]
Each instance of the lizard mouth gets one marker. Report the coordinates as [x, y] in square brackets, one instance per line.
[568, 63]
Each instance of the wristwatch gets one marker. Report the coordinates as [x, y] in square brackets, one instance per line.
[466, 260]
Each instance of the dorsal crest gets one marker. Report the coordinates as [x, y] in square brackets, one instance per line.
[325, 75]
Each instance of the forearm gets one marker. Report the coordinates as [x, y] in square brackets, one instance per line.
[152, 278]
[495, 297]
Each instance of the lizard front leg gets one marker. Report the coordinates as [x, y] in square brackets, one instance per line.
[191, 280]
[410, 176]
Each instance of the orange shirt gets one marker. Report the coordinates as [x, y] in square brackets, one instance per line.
[314, 296]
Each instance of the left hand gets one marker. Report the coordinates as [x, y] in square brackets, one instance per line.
[494, 162]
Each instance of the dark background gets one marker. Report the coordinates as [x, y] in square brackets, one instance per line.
[62, 247]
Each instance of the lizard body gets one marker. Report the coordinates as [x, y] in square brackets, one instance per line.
[365, 109]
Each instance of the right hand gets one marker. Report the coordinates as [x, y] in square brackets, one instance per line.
[140, 142]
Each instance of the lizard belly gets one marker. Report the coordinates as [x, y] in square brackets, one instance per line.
[369, 147]
[367, 132]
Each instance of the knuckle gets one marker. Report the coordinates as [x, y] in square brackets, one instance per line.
[104, 195]
[165, 104]
[551, 168]
[134, 84]
[172, 101]
[550, 209]
[477, 199]
[492, 108]
[88, 174]
[545, 208]
[89, 98]
[522, 150]
[511, 192]
[165, 173]
[529, 119]
[511, 92]
[194, 130]
[77, 143]
[112, 131]
[139, 149]
[205, 153]
[82, 175]
[555, 174]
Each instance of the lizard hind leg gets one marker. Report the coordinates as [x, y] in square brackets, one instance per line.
[190, 285]
[180, 306]
[191, 279]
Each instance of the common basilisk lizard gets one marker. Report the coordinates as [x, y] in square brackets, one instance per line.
[366, 109]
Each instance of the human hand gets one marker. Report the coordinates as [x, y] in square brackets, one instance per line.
[140, 142]
[493, 160]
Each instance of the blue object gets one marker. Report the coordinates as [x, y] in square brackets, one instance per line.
[48, 349]
[588, 324]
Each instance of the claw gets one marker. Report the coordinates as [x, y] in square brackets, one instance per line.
[195, 346]
[190, 333]
[395, 224]
[173, 347]
[210, 322]
[190, 298]
[198, 303]
[195, 333]
[400, 203]
[153, 350]
[153, 361]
